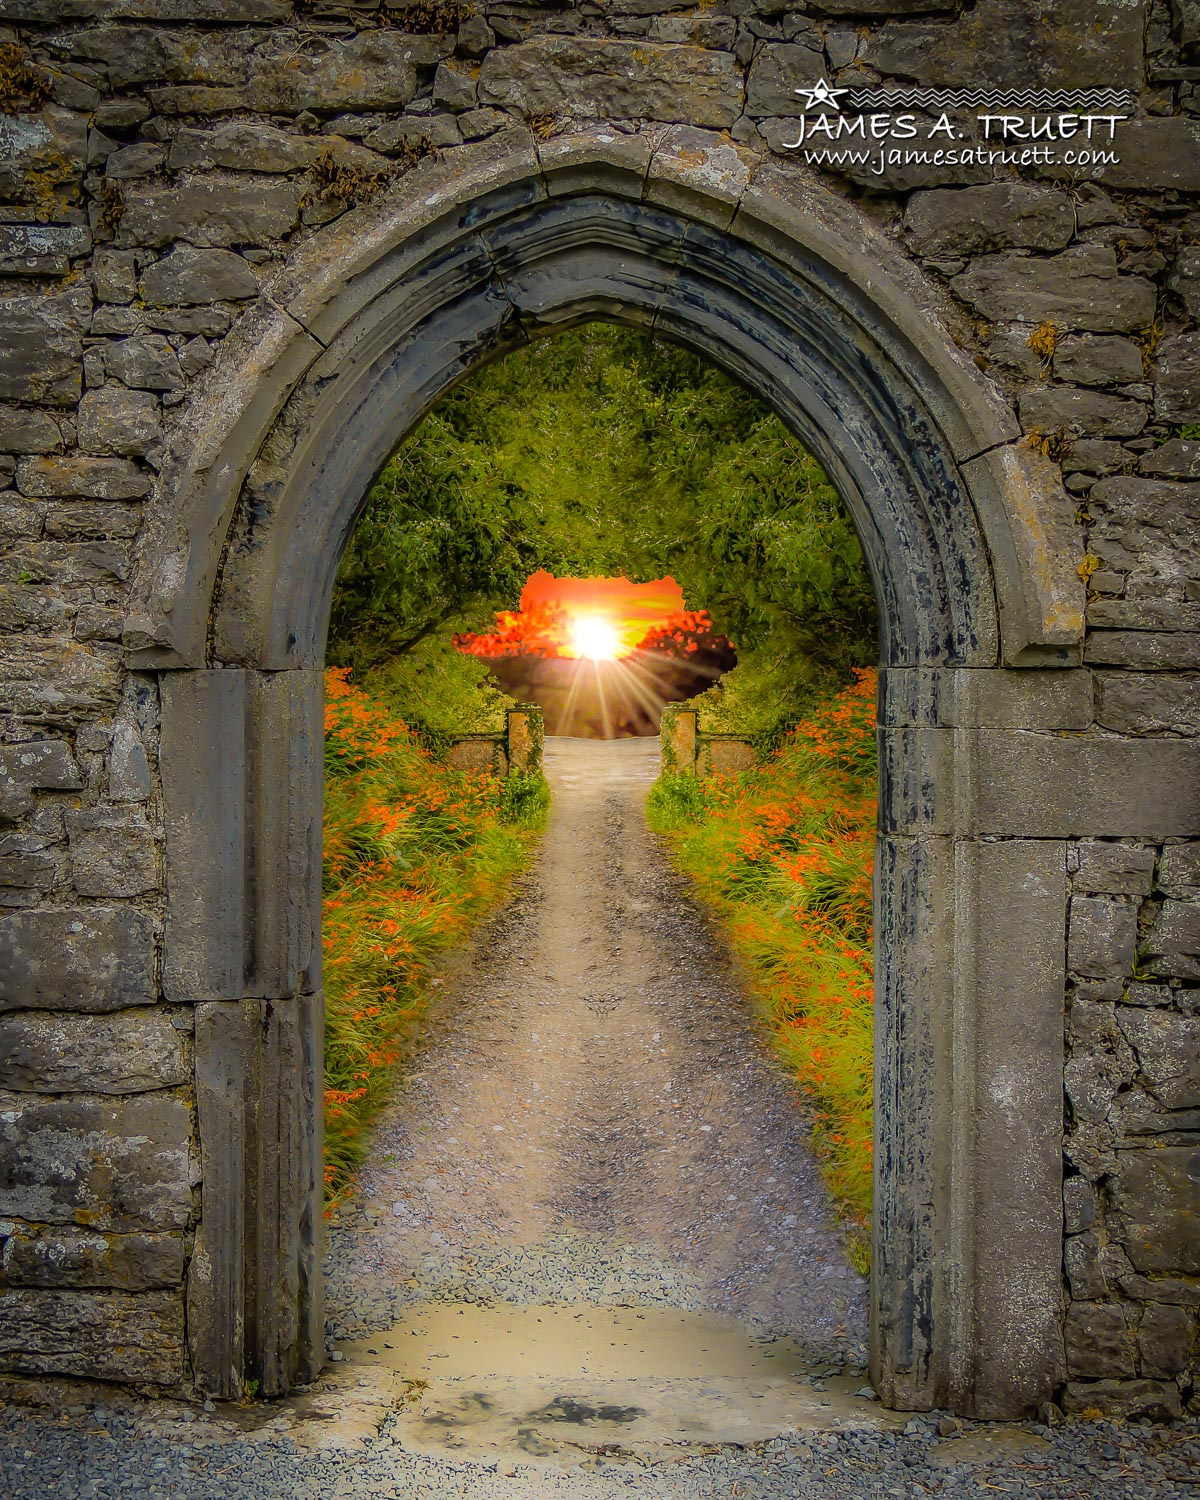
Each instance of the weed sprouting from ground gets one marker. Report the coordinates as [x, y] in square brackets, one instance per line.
[784, 854]
[414, 852]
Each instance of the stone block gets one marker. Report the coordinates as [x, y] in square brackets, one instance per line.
[1173, 947]
[724, 755]
[599, 79]
[129, 1052]
[1146, 994]
[1103, 936]
[372, 69]
[27, 431]
[202, 759]
[1065, 45]
[1087, 413]
[37, 1255]
[1178, 458]
[395, 135]
[1179, 869]
[1177, 382]
[478, 124]
[1166, 1340]
[41, 249]
[1156, 1208]
[210, 213]
[1098, 359]
[114, 275]
[53, 475]
[58, 682]
[1156, 1399]
[112, 851]
[1152, 525]
[1079, 1205]
[455, 86]
[1143, 614]
[1076, 289]
[244, 146]
[41, 350]
[1107, 868]
[777, 71]
[1099, 1343]
[148, 363]
[142, 159]
[285, 740]
[119, 421]
[1096, 456]
[699, 31]
[1156, 153]
[198, 276]
[1147, 703]
[219, 12]
[1091, 1081]
[128, 768]
[101, 1163]
[1071, 787]
[988, 698]
[988, 217]
[1185, 279]
[1168, 1051]
[95, 1335]
[42, 155]
[225, 1046]
[477, 752]
[1082, 1263]
[34, 765]
[83, 958]
[1166, 650]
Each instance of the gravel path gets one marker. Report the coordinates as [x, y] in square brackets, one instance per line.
[591, 1122]
[593, 1118]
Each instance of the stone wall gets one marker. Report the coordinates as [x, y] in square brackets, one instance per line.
[160, 161]
[518, 748]
[688, 750]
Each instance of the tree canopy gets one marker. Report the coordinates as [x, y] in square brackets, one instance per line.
[603, 451]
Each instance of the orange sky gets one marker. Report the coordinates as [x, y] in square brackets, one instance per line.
[629, 609]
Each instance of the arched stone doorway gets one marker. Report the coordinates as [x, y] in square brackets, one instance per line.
[790, 290]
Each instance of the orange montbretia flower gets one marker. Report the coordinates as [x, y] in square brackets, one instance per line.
[785, 853]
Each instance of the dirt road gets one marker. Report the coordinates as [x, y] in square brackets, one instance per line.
[592, 1117]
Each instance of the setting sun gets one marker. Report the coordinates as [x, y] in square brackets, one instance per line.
[596, 637]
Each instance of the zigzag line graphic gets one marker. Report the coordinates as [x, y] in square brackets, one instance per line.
[1077, 101]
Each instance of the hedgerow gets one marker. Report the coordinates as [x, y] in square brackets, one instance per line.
[414, 853]
[784, 854]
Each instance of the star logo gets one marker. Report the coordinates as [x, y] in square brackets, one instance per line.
[821, 93]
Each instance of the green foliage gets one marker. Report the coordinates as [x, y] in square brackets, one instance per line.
[764, 695]
[674, 802]
[525, 800]
[440, 691]
[600, 451]
[783, 854]
[414, 852]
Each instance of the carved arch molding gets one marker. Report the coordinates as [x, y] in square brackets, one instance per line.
[969, 545]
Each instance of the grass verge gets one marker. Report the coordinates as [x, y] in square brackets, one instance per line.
[784, 855]
[414, 853]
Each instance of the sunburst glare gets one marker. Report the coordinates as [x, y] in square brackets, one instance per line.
[595, 636]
